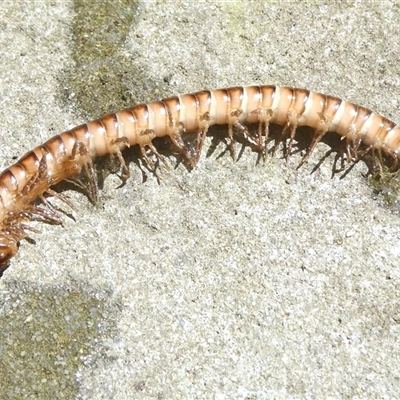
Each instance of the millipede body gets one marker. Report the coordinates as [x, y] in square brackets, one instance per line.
[26, 185]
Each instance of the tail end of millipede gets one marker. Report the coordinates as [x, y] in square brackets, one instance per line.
[3, 267]
[7, 251]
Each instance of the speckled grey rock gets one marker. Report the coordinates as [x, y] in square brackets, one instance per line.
[234, 281]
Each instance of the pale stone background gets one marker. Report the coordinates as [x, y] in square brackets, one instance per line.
[234, 281]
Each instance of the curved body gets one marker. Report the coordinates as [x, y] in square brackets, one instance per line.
[64, 156]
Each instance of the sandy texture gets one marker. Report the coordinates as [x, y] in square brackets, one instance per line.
[234, 281]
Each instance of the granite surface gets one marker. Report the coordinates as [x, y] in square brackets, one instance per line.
[233, 281]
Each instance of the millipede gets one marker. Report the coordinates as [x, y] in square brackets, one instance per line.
[69, 156]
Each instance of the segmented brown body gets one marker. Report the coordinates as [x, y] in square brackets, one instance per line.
[65, 155]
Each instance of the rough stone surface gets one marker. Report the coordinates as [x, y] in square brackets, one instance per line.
[234, 281]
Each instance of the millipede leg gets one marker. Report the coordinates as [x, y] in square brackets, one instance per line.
[200, 138]
[180, 145]
[316, 138]
[125, 175]
[93, 190]
[61, 197]
[158, 155]
[231, 142]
